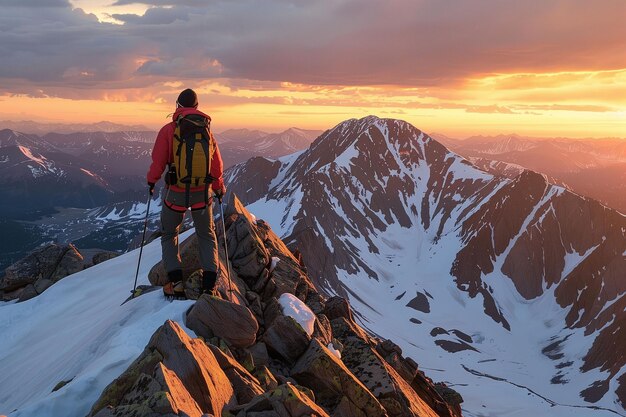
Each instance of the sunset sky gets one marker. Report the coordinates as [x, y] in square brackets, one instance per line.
[534, 67]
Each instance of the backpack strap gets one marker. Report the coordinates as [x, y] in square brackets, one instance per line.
[189, 162]
[207, 176]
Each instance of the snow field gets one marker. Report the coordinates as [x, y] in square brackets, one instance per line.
[78, 330]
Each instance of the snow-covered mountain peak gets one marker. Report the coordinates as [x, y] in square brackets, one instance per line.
[380, 210]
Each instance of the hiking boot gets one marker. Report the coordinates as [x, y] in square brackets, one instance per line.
[174, 288]
[209, 278]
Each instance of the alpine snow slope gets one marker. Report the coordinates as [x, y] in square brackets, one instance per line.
[513, 289]
[77, 331]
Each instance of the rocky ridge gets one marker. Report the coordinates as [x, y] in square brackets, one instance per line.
[255, 355]
[45, 266]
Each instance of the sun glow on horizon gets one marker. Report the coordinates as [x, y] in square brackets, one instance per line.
[569, 103]
[129, 60]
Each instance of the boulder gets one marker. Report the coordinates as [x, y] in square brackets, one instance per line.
[323, 330]
[286, 338]
[286, 277]
[34, 273]
[246, 386]
[287, 400]
[246, 251]
[174, 375]
[256, 243]
[331, 381]
[336, 307]
[259, 354]
[385, 383]
[28, 292]
[103, 256]
[211, 316]
[265, 377]
[316, 302]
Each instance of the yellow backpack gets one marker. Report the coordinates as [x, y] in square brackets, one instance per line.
[192, 151]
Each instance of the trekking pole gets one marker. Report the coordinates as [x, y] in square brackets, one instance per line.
[230, 282]
[143, 239]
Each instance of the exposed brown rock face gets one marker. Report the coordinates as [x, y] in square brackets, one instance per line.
[246, 385]
[261, 172]
[254, 360]
[286, 400]
[32, 275]
[174, 374]
[331, 381]
[212, 316]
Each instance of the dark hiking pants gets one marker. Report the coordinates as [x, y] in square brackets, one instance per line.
[171, 221]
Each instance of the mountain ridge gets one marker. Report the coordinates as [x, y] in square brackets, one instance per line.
[366, 183]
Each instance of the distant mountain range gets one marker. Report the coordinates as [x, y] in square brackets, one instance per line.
[85, 187]
[42, 128]
[239, 145]
[513, 287]
[590, 167]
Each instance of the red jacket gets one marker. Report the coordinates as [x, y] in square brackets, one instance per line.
[162, 153]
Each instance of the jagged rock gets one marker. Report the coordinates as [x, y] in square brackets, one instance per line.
[265, 377]
[287, 338]
[272, 310]
[348, 408]
[28, 292]
[175, 375]
[212, 316]
[323, 330]
[424, 387]
[48, 264]
[448, 394]
[287, 276]
[385, 383]
[255, 304]
[316, 302]
[285, 401]
[328, 377]
[259, 354]
[246, 250]
[103, 256]
[42, 284]
[246, 386]
[337, 307]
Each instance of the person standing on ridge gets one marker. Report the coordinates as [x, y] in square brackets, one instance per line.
[189, 150]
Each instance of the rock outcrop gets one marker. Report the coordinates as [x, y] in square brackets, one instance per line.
[174, 374]
[33, 274]
[255, 356]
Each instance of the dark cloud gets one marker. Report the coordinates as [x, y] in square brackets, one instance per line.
[163, 2]
[34, 3]
[344, 42]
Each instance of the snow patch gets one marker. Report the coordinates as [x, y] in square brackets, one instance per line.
[275, 261]
[294, 307]
[78, 330]
[334, 351]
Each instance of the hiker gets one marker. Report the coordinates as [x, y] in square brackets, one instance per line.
[192, 170]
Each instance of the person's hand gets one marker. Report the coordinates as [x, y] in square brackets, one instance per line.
[151, 188]
[219, 194]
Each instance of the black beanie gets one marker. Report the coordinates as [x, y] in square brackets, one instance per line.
[187, 98]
